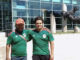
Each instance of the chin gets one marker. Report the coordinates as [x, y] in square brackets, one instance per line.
[39, 28]
[21, 30]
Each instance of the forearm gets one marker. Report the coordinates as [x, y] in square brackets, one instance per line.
[52, 50]
[52, 47]
[7, 51]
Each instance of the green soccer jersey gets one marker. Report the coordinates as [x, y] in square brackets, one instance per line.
[18, 44]
[40, 42]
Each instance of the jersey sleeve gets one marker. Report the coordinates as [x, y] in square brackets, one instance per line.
[9, 39]
[50, 37]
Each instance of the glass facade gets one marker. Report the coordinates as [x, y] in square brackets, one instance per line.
[29, 9]
[5, 15]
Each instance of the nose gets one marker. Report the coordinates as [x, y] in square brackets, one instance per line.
[39, 24]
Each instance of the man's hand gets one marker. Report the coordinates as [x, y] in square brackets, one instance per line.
[7, 52]
[7, 58]
[44, 28]
[51, 57]
[52, 50]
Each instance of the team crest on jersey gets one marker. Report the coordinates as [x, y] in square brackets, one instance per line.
[44, 35]
[16, 36]
[24, 35]
[33, 35]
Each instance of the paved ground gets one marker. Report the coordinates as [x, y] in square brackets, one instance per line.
[67, 47]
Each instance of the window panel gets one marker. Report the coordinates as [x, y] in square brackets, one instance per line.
[20, 4]
[69, 7]
[29, 26]
[70, 27]
[74, 1]
[48, 1]
[58, 20]
[6, 6]
[56, 1]
[48, 26]
[0, 13]
[34, 0]
[46, 6]
[19, 12]
[57, 13]
[59, 7]
[77, 13]
[58, 27]
[46, 20]
[34, 12]
[34, 5]
[69, 21]
[67, 1]
[30, 21]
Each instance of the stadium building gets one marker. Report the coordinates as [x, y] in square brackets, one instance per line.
[10, 10]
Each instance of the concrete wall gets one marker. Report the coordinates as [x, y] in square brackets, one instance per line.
[2, 45]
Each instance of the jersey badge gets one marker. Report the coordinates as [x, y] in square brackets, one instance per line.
[24, 35]
[44, 35]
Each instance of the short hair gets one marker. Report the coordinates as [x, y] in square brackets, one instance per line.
[39, 18]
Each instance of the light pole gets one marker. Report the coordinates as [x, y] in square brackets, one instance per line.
[43, 10]
[64, 21]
